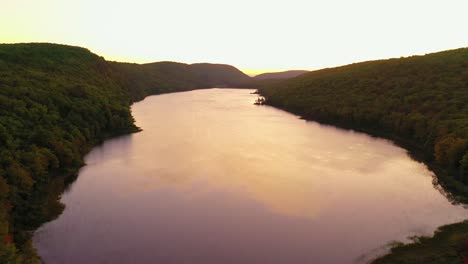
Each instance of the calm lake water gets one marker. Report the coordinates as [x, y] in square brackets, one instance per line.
[215, 179]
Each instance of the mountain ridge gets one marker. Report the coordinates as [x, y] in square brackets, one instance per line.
[279, 75]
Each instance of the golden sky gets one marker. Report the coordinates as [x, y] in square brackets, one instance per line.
[253, 35]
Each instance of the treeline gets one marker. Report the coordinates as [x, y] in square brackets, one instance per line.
[56, 103]
[279, 75]
[419, 101]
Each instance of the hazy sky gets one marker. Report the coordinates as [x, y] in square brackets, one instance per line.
[254, 35]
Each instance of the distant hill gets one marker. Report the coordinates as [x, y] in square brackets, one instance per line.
[140, 80]
[218, 75]
[279, 75]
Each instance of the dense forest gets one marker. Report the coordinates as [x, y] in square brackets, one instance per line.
[56, 103]
[420, 102]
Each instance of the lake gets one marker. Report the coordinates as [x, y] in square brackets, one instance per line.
[213, 178]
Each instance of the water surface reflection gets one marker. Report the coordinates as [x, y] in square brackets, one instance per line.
[214, 179]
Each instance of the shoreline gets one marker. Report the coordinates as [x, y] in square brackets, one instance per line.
[415, 154]
[454, 191]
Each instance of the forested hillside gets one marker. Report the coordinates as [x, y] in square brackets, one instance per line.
[279, 75]
[420, 102]
[140, 80]
[56, 102]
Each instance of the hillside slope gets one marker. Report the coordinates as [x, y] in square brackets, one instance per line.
[218, 75]
[56, 103]
[140, 80]
[279, 75]
[420, 102]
